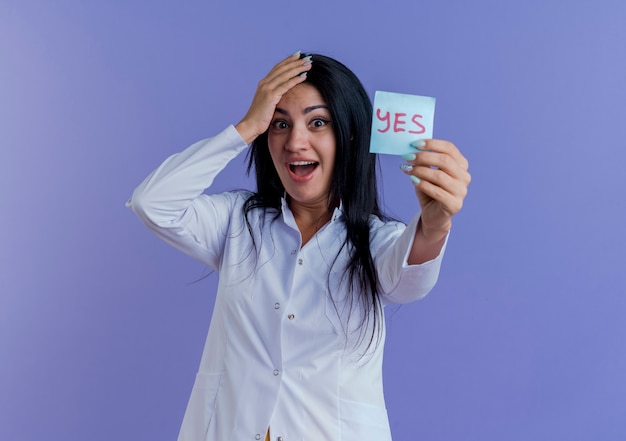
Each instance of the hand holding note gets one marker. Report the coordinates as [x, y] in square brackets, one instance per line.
[403, 125]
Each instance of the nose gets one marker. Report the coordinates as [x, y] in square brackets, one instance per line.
[298, 139]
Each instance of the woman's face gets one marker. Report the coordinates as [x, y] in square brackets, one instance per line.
[302, 145]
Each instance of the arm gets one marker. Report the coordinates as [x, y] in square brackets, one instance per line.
[165, 194]
[401, 282]
[170, 200]
[440, 175]
[408, 265]
[184, 176]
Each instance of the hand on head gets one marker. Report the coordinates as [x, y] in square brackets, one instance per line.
[284, 76]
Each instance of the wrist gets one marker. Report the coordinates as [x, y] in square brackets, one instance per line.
[434, 233]
[427, 244]
[246, 131]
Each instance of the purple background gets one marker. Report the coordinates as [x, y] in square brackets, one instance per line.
[102, 325]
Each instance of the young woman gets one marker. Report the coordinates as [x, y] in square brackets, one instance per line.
[306, 263]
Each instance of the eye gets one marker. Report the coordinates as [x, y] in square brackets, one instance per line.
[279, 124]
[319, 122]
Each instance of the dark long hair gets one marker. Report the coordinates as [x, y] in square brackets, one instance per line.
[353, 181]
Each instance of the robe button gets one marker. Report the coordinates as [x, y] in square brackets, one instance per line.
[276, 305]
[280, 438]
[257, 436]
[291, 316]
[276, 372]
[299, 261]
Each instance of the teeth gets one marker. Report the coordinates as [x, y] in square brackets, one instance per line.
[302, 163]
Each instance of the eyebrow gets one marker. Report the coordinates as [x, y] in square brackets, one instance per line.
[306, 109]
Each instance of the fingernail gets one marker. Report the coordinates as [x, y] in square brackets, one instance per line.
[408, 157]
[303, 74]
[307, 63]
[415, 179]
[406, 167]
[307, 58]
[296, 53]
[418, 144]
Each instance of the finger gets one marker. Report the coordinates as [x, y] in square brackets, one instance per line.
[452, 185]
[444, 147]
[290, 78]
[274, 88]
[449, 202]
[442, 162]
[437, 177]
[426, 176]
[280, 66]
[286, 70]
[290, 59]
[439, 164]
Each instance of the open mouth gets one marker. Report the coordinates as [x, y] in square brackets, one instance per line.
[302, 168]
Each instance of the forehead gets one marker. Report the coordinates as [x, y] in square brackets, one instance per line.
[301, 96]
